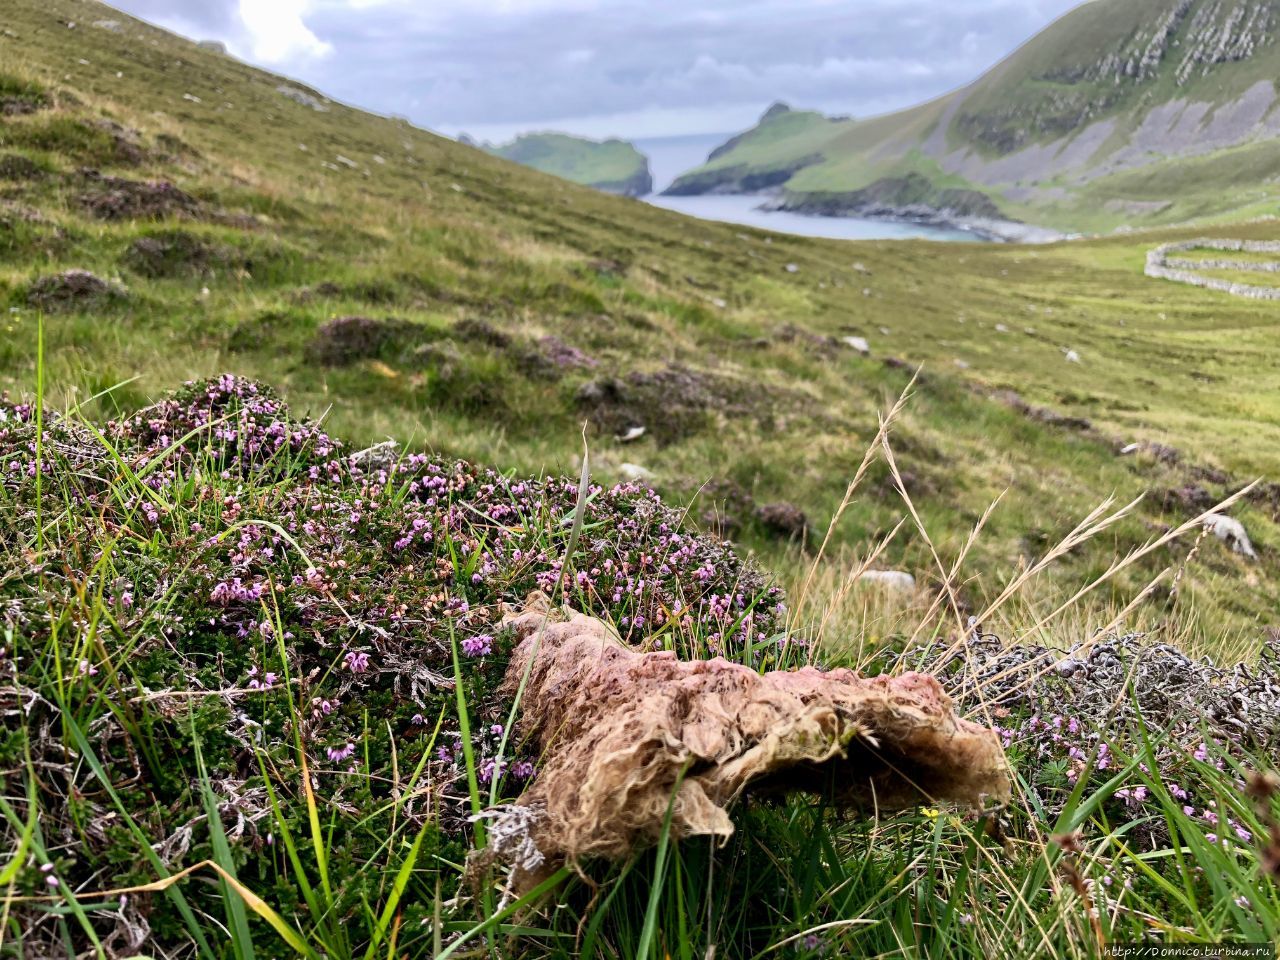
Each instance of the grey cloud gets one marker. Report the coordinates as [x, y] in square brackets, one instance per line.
[487, 65]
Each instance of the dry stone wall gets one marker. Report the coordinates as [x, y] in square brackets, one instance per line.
[1161, 265]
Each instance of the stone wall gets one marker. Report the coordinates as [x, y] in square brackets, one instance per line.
[1183, 270]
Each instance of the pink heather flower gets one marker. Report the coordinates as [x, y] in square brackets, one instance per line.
[479, 646]
[342, 753]
[87, 669]
[357, 662]
[1202, 752]
[418, 720]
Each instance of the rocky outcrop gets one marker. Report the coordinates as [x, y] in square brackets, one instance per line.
[737, 179]
[639, 184]
[908, 197]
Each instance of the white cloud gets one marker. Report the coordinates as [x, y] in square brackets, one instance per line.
[277, 34]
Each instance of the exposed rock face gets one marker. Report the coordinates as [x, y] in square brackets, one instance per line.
[1114, 86]
[627, 736]
[910, 197]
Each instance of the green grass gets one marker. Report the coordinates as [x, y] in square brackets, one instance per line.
[463, 265]
[439, 235]
[592, 163]
[285, 849]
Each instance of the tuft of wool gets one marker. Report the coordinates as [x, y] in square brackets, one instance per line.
[625, 735]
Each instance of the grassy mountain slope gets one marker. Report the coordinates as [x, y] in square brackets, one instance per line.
[261, 672]
[614, 166]
[501, 308]
[1089, 125]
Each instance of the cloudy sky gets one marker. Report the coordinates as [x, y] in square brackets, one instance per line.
[632, 68]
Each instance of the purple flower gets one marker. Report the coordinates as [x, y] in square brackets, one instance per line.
[342, 753]
[357, 662]
[478, 646]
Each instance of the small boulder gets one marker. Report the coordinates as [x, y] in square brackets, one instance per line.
[895, 581]
[634, 473]
[1072, 357]
[1231, 532]
[857, 343]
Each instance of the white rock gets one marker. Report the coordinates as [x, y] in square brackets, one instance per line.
[885, 331]
[962, 364]
[896, 580]
[379, 160]
[858, 343]
[792, 268]
[192, 97]
[866, 291]
[346, 161]
[1231, 532]
[1072, 357]
[1130, 449]
[861, 267]
[635, 473]
[719, 302]
[633, 433]
[1001, 328]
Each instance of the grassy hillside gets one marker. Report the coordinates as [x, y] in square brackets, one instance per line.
[1140, 113]
[614, 166]
[502, 308]
[259, 656]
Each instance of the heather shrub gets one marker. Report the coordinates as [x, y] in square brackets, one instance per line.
[295, 618]
[344, 340]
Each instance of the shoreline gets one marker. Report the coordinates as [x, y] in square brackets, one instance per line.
[984, 229]
[990, 229]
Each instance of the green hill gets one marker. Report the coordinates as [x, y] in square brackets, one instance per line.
[613, 166]
[1122, 112]
[232, 220]
[252, 655]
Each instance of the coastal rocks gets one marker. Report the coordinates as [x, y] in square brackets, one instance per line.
[1231, 532]
[909, 197]
[72, 290]
[1160, 265]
